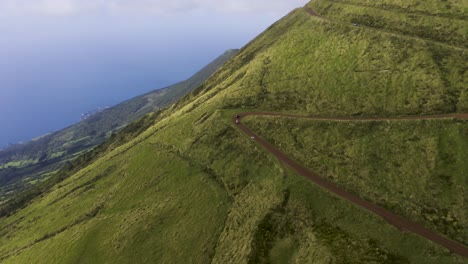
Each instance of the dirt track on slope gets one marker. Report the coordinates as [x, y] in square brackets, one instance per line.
[311, 12]
[392, 218]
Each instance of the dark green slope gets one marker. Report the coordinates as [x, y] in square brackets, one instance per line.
[24, 165]
[193, 189]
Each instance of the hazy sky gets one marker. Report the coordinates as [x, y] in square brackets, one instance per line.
[70, 7]
[60, 58]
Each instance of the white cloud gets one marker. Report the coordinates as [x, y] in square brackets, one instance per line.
[44, 7]
[67, 7]
[56, 7]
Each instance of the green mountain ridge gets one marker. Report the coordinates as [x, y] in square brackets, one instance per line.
[25, 165]
[191, 188]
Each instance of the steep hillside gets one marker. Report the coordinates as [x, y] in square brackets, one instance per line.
[22, 166]
[194, 189]
[413, 167]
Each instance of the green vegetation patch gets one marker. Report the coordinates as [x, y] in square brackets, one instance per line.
[148, 204]
[415, 168]
[448, 30]
[17, 164]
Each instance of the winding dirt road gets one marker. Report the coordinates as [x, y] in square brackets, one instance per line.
[392, 218]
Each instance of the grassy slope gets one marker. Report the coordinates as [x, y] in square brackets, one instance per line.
[23, 164]
[193, 189]
[415, 168]
[441, 21]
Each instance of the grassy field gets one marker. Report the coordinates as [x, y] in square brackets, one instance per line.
[310, 65]
[192, 188]
[155, 198]
[445, 23]
[415, 168]
[106, 210]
